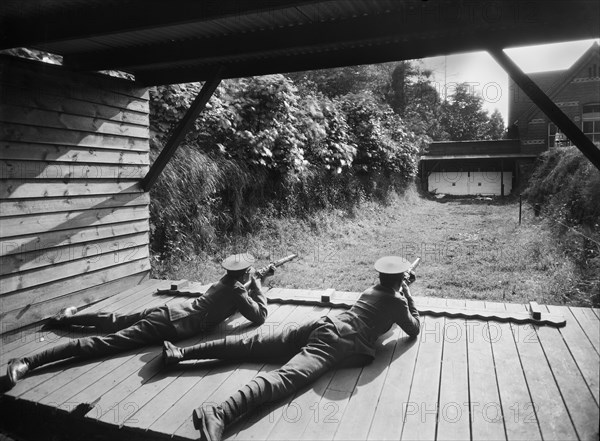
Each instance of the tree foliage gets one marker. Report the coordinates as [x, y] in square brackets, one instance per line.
[464, 118]
[384, 143]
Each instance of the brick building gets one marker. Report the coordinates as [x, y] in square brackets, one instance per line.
[576, 91]
[498, 167]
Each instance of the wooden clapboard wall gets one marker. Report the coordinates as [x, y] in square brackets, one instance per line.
[73, 218]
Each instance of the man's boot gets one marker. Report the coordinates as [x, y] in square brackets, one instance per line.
[17, 368]
[171, 354]
[210, 421]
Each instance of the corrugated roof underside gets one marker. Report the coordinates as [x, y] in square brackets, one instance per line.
[230, 25]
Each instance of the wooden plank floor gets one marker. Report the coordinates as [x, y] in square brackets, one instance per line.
[460, 379]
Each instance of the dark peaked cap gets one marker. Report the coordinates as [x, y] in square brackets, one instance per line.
[392, 265]
[238, 262]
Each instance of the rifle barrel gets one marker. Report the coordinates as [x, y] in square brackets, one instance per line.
[285, 260]
[415, 264]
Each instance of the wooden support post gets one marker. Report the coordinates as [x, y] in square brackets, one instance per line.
[501, 178]
[182, 129]
[520, 208]
[557, 116]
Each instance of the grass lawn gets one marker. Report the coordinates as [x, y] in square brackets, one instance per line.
[470, 249]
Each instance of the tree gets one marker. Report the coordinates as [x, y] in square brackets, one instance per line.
[495, 129]
[463, 116]
[340, 81]
[328, 135]
[384, 145]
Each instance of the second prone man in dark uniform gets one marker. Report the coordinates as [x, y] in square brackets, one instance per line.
[153, 325]
[312, 349]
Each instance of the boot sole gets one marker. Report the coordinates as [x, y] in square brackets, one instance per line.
[200, 424]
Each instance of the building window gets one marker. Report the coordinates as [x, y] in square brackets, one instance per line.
[591, 122]
[556, 138]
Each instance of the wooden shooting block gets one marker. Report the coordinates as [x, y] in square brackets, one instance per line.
[326, 298]
[536, 312]
[175, 286]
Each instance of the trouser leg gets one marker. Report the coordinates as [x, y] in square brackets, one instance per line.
[152, 329]
[318, 356]
[105, 321]
[55, 353]
[266, 344]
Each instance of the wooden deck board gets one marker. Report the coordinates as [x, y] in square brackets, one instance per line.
[485, 407]
[582, 407]
[330, 409]
[388, 419]
[415, 389]
[581, 349]
[520, 421]
[355, 421]
[453, 411]
[548, 404]
[421, 409]
[590, 324]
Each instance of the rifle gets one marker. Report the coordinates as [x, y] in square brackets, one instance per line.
[263, 273]
[268, 270]
[413, 267]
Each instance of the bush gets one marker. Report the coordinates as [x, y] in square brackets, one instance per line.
[262, 148]
[567, 188]
[386, 157]
[329, 143]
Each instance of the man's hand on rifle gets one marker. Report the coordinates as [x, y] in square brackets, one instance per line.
[409, 277]
[270, 271]
[255, 283]
[405, 290]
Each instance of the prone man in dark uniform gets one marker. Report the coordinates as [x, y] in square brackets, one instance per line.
[312, 349]
[153, 325]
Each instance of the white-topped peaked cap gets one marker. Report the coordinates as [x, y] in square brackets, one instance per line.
[238, 262]
[392, 265]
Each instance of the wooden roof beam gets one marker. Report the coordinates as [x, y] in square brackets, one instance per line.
[181, 130]
[546, 105]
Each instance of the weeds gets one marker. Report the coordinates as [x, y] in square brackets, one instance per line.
[468, 251]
